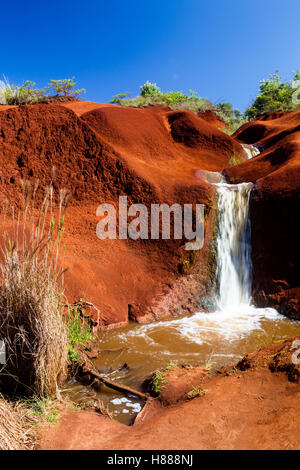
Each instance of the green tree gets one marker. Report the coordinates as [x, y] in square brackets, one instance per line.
[117, 99]
[274, 95]
[150, 89]
[66, 87]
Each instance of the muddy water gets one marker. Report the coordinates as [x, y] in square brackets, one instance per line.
[131, 354]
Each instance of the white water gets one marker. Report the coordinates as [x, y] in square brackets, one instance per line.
[234, 271]
[235, 311]
[251, 150]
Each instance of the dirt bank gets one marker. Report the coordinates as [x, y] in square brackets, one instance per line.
[254, 405]
[103, 151]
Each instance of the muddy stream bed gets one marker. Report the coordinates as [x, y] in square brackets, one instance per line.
[129, 355]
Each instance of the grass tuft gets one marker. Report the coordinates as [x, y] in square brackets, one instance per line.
[31, 295]
[16, 430]
[77, 332]
[158, 382]
[196, 392]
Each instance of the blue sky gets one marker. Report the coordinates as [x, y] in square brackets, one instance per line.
[221, 49]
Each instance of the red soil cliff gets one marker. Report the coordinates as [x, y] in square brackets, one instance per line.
[103, 151]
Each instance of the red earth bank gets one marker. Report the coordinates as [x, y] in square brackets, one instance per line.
[101, 152]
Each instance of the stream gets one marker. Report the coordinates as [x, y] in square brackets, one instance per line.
[234, 328]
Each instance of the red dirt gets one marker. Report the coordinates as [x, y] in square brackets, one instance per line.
[103, 151]
[252, 406]
[213, 119]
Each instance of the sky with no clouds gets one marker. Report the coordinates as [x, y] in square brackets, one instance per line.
[220, 49]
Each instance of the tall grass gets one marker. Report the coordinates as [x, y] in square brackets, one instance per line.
[31, 293]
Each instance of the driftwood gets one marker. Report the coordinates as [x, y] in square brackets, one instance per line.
[115, 385]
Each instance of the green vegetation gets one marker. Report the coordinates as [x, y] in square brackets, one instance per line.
[158, 382]
[233, 117]
[77, 331]
[196, 392]
[275, 95]
[57, 90]
[66, 87]
[235, 159]
[151, 94]
[42, 407]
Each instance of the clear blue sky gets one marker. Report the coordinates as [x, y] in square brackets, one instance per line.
[221, 49]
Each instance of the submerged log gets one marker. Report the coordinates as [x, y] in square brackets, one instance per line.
[115, 385]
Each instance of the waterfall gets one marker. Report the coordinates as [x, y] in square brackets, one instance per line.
[234, 267]
[251, 150]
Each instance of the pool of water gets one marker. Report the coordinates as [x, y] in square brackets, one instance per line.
[131, 354]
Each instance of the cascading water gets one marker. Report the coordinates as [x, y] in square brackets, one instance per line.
[234, 266]
[251, 150]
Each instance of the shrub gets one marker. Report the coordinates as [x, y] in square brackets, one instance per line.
[66, 87]
[274, 95]
[57, 90]
[25, 94]
[150, 89]
[117, 99]
[31, 296]
[233, 117]
[42, 408]
[77, 331]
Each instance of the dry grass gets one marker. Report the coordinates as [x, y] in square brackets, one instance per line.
[16, 430]
[31, 295]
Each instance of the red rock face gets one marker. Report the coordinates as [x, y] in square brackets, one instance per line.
[103, 151]
[274, 209]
